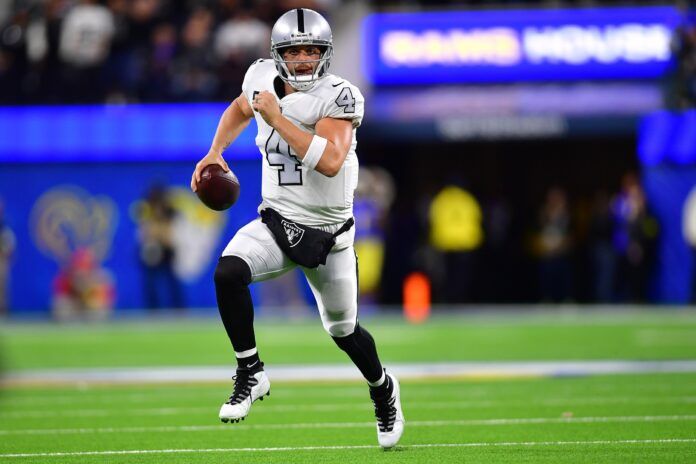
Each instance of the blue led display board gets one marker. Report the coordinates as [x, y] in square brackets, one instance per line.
[165, 132]
[525, 45]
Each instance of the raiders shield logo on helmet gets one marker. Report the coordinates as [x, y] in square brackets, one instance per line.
[293, 232]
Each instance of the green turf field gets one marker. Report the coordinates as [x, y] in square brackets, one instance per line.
[609, 418]
[513, 336]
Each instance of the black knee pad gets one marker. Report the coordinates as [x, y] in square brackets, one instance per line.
[232, 271]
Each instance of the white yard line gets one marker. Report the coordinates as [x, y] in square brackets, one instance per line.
[158, 374]
[354, 447]
[346, 425]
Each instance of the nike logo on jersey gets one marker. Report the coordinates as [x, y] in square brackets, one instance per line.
[336, 85]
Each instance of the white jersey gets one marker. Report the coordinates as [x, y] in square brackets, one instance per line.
[301, 194]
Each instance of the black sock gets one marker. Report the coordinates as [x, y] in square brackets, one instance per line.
[250, 362]
[360, 347]
[385, 390]
[232, 278]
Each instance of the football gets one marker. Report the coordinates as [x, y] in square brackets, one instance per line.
[218, 190]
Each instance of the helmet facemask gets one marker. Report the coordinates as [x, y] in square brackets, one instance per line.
[302, 82]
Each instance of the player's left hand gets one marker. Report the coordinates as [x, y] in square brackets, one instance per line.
[267, 105]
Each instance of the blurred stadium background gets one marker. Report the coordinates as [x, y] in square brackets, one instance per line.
[537, 154]
[527, 171]
[512, 153]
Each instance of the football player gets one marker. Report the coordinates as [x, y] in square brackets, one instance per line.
[307, 120]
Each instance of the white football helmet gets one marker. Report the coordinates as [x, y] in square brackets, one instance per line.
[301, 26]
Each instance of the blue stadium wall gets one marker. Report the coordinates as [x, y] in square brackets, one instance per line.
[667, 151]
[77, 174]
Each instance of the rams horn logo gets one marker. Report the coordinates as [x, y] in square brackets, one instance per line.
[293, 232]
[68, 218]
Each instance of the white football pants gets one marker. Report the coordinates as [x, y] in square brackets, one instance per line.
[334, 285]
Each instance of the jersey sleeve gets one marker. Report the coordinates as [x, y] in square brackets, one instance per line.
[247, 84]
[347, 103]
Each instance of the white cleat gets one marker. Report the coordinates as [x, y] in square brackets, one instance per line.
[390, 417]
[248, 387]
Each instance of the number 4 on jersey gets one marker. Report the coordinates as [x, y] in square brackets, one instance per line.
[279, 154]
[346, 100]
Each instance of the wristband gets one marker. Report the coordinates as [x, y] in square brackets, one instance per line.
[314, 152]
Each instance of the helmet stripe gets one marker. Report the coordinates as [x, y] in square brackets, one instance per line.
[300, 19]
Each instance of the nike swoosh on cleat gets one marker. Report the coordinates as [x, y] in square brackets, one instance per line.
[336, 85]
[249, 366]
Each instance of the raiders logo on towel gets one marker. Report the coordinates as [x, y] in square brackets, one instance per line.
[293, 232]
[310, 252]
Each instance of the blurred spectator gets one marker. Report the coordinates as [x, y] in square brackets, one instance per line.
[242, 37]
[86, 34]
[85, 42]
[456, 233]
[5, 10]
[13, 56]
[635, 237]
[554, 247]
[159, 63]
[493, 274]
[82, 289]
[7, 247]
[42, 83]
[238, 42]
[689, 230]
[123, 69]
[402, 235]
[194, 78]
[602, 254]
[373, 198]
[66, 51]
[155, 216]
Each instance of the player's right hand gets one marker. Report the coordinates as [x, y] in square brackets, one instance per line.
[213, 157]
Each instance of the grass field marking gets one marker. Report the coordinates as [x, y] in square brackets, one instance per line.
[327, 425]
[332, 407]
[560, 401]
[324, 372]
[356, 392]
[351, 447]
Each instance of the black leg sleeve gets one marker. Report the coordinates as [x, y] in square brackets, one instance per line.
[232, 279]
[360, 347]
